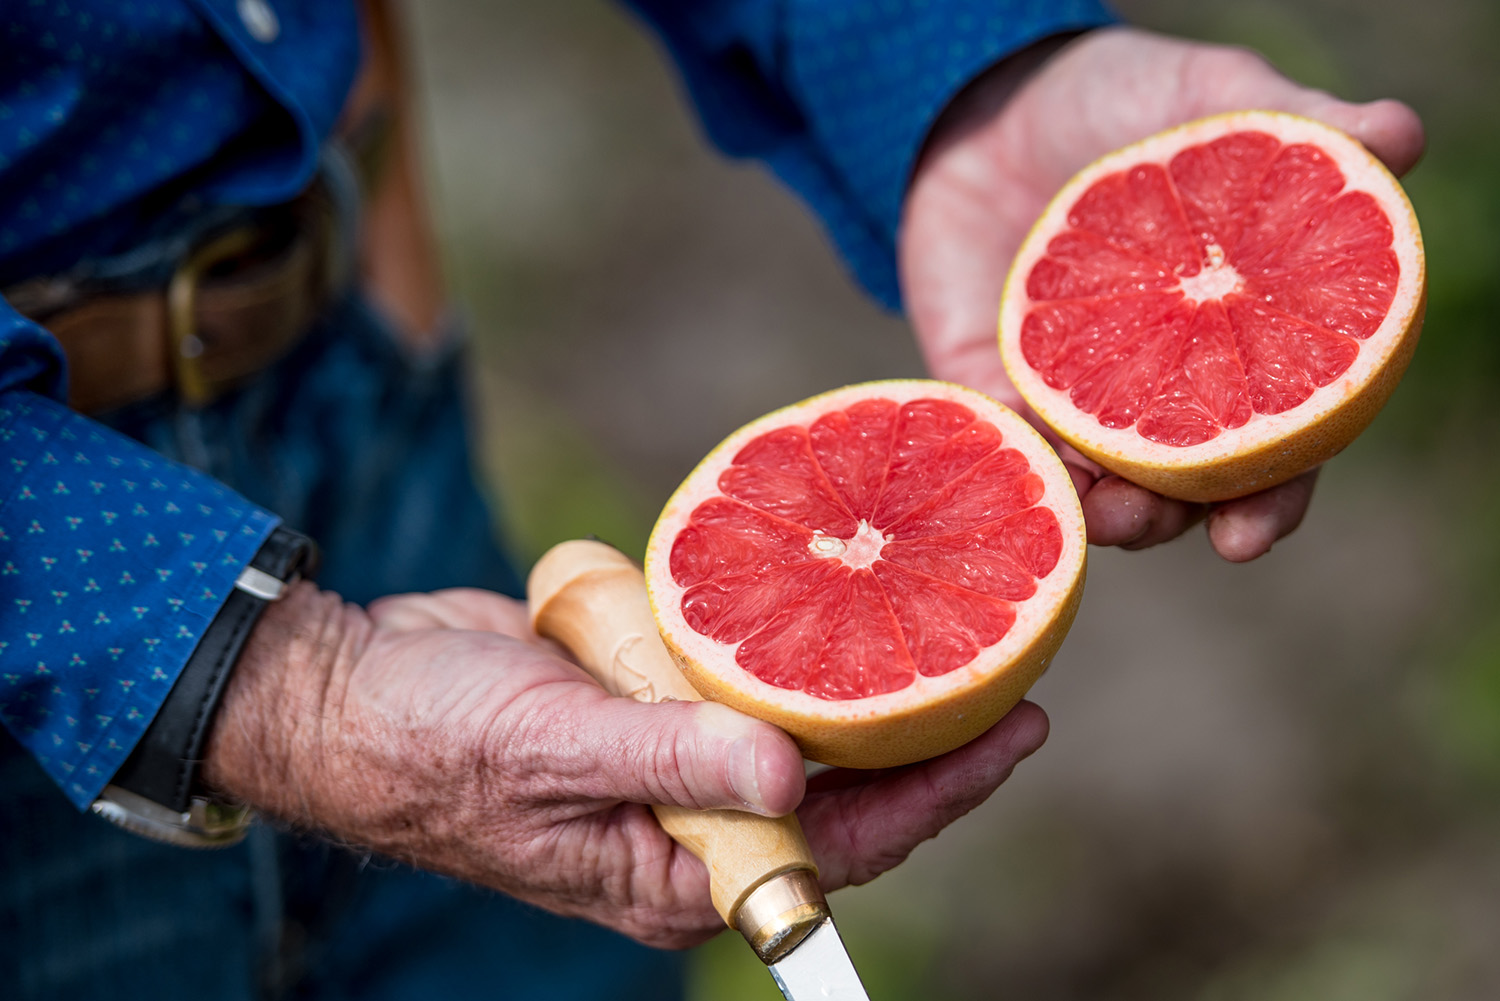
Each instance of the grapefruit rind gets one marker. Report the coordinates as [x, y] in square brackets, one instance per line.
[1268, 449]
[932, 715]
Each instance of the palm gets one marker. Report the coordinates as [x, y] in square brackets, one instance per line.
[485, 680]
[1005, 148]
[561, 828]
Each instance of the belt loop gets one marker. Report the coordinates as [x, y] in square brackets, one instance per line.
[182, 322]
[340, 181]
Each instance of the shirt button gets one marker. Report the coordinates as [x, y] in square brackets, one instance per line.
[260, 20]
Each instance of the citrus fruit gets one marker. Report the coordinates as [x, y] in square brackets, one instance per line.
[882, 570]
[1220, 307]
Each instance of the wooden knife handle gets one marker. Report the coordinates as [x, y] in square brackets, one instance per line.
[592, 599]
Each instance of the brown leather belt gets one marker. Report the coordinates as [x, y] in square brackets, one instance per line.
[244, 297]
[236, 304]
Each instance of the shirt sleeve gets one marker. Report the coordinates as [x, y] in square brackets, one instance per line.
[837, 96]
[113, 561]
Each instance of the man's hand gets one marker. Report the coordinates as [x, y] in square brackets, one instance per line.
[438, 730]
[996, 158]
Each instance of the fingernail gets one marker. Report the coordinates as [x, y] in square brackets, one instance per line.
[742, 777]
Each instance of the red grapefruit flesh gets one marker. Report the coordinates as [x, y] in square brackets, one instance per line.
[882, 570]
[1220, 307]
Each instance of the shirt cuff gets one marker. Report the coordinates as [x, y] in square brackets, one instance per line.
[872, 79]
[30, 357]
[113, 561]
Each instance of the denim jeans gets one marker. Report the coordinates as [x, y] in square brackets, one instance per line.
[362, 445]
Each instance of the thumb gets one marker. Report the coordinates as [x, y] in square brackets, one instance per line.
[1242, 79]
[1389, 129]
[700, 755]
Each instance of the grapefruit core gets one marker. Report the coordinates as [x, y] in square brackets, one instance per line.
[882, 571]
[1220, 307]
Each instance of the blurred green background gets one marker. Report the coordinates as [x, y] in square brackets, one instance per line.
[1275, 781]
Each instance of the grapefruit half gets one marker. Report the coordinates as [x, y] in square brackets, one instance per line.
[1220, 307]
[882, 570]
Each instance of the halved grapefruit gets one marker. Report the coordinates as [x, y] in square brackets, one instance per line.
[882, 570]
[1220, 307]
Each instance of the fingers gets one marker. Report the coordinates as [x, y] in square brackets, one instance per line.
[859, 831]
[1120, 513]
[578, 743]
[1389, 129]
[1243, 529]
[694, 754]
[1083, 479]
[454, 608]
[1241, 79]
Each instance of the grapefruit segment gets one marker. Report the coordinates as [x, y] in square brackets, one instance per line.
[1217, 308]
[1348, 295]
[1137, 211]
[921, 466]
[1286, 359]
[995, 486]
[853, 447]
[778, 474]
[943, 626]
[1082, 265]
[882, 570]
[1219, 182]
[728, 537]
[732, 607]
[839, 642]
[1001, 559]
[1205, 390]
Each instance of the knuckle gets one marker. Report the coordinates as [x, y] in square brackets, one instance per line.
[652, 927]
[666, 763]
[538, 747]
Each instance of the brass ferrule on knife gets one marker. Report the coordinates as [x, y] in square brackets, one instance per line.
[779, 913]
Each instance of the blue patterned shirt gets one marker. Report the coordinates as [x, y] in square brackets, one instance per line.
[113, 559]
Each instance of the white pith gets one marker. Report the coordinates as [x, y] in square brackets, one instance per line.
[1033, 616]
[1215, 281]
[855, 553]
[1361, 173]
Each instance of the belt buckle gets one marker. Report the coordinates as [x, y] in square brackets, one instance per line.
[187, 348]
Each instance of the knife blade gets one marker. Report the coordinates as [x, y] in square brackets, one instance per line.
[819, 968]
[591, 598]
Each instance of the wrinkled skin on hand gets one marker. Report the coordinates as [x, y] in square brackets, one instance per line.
[438, 730]
[996, 158]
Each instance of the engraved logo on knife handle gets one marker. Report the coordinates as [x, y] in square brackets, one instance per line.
[627, 680]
